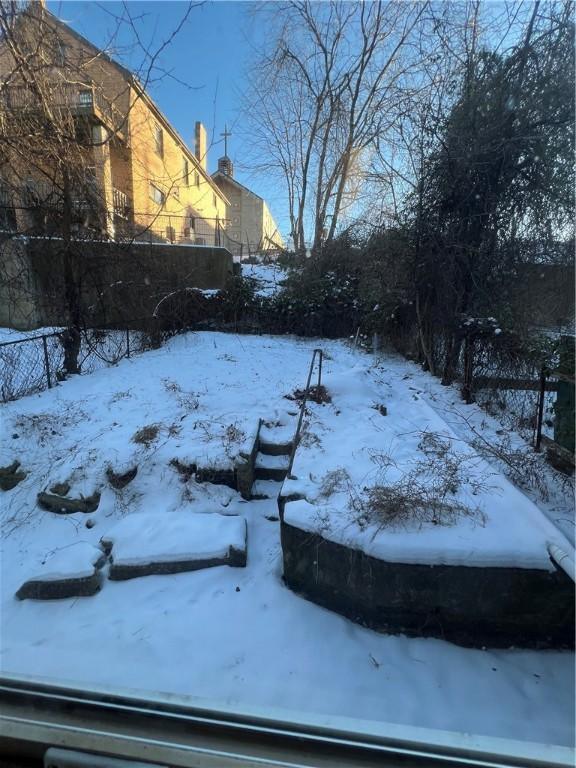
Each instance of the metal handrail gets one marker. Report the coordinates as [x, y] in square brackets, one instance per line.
[316, 352]
[562, 559]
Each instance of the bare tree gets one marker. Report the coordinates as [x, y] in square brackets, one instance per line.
[333, 82]
[61, 103]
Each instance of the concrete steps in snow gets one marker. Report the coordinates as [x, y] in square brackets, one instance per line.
[266, 489]
[271, 467]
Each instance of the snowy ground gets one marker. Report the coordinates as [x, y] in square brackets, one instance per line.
[350, 446]
[238, 635]
[267, 278]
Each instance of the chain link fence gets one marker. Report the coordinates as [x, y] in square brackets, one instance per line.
[508, 388]
[35, 363]
[29, 365]
[528, 388]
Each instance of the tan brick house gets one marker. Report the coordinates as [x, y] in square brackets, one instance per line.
[147, 178]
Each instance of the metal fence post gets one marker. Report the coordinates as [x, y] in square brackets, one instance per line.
[540, 414]
[319, 368]
[127, 342]
[46, 362]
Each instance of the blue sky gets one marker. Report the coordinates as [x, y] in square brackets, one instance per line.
[207, 61]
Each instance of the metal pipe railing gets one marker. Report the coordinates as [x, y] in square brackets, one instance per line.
[562, 559]
[315, 353]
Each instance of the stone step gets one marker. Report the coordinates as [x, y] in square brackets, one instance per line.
[269, 467]
[265, 489]
[277, 433]
[271, 473]
[275, 449]
[271, 461]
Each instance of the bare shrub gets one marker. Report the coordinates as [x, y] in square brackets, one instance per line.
[522, 465]
[318, 394]
[233, 436]
[335, 481]
[307, 438]
[146, 435]
[404, 503]
[187, 400]
[425, 493]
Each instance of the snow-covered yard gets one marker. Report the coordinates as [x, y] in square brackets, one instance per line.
[267, 278]
[239, 635]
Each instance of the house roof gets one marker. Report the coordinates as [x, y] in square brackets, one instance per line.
[132, 80]
[225, 177]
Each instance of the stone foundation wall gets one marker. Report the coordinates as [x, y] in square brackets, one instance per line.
[492, 607]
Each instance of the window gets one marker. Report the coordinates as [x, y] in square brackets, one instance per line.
[85, 98]
[196, 178]
[158, 140]
[7, 212]
[214, 201]
[157, 195]
[83, 132]
[185, 172]
[60, 54]
[170, 234]
[190, 226]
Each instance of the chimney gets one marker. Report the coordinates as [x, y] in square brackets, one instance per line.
[200, 145]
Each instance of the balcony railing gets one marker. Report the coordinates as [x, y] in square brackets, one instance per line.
[91, 218]
[179, 230]
[121, 203]
[77, 99]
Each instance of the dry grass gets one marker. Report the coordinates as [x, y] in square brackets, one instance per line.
[316, 394]
[426, 494]
[147, 435]
[404, 504]
[335, 481]
[233, 434]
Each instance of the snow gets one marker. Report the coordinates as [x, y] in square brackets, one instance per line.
[267, 278]
[507, 529]
[149, 537]
[11, 334]
[263, 461]
[277, 433]
[480, 546]
[269, 488]
[74, 561]
[239, 636]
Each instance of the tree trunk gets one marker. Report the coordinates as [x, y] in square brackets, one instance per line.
[71, 336]
[451, 358]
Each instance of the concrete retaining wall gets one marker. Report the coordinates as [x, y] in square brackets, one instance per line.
[492, 607]
[119, 282]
